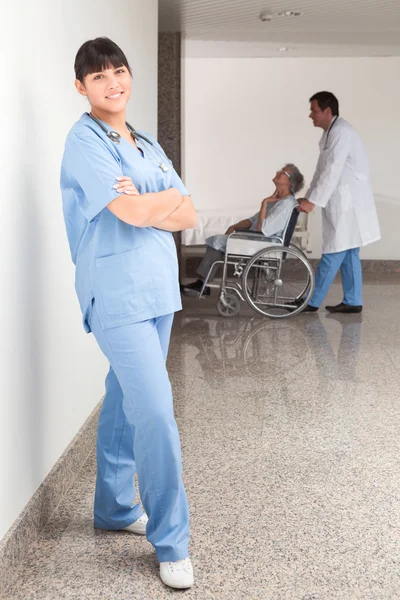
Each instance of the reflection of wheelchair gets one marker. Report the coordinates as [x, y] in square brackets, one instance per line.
[232, 350]
[275, 277]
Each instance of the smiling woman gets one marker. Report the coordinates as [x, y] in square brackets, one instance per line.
[120, 208]
[104, 76]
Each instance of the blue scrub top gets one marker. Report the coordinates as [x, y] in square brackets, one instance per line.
[131, 272]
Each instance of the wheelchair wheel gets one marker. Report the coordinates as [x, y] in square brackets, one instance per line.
[284, 294]
[228, 305]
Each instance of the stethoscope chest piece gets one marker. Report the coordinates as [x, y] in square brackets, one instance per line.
[114, 136]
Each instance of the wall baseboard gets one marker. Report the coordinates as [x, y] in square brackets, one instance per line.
[374, 265]
[25, 530]
[377, 267]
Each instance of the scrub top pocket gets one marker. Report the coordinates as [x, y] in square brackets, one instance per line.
[122, 282]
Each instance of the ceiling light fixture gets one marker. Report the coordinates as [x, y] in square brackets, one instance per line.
[289, 13]
[285, 49]
[265, 17]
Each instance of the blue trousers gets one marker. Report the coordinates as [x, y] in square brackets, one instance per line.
[349, 264]
[138, 432]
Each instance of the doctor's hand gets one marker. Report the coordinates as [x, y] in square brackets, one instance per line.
[126, 186]
[305, 205]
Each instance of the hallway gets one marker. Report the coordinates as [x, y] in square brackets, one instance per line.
[290, 439]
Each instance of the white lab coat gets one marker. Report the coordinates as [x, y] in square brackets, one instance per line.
[341, 186]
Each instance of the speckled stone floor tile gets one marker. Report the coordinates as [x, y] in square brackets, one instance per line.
[290, 439]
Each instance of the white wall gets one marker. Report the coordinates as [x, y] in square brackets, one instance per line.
[52, 373]
[245, 117]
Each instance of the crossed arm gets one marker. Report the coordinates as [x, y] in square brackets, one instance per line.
[167, 210]
[183, 217]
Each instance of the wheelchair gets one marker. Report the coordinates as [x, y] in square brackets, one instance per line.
[272, 275]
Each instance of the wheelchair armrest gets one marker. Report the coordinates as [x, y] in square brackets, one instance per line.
[274, 238]
[255, 233]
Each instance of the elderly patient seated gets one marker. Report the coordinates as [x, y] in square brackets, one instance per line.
[271, 220]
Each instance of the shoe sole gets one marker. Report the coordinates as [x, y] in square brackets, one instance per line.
[176, 587]
[134, 532]
[343, 312]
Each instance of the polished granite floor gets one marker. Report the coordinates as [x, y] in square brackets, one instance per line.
[291, 446]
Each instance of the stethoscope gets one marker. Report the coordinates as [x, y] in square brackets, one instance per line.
[115, 137]
[329, 130]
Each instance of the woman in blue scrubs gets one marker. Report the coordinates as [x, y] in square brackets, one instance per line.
[121, 201]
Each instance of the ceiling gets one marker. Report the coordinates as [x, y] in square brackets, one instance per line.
[324, 28]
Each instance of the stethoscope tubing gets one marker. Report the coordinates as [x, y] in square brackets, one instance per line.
[115, 138]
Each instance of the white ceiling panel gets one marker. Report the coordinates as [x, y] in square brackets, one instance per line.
[325, 27]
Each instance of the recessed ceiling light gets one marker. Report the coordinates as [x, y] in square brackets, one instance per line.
[289, 13]
[265, 17]
[285, 49]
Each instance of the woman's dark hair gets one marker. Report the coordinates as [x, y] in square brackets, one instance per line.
[99, 54]
[327, 100]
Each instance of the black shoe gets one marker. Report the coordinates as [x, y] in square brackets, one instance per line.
[310, 308]
[297, 303]
[344, 308]
[194, 288]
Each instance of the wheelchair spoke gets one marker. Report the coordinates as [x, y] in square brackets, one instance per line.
[276, 279]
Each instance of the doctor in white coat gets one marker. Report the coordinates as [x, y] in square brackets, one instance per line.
[341, 187]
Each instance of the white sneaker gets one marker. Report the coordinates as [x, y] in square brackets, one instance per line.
[178, 574]
[139, 526]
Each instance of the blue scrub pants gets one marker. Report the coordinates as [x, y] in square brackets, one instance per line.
[349, 264]
[137, 431]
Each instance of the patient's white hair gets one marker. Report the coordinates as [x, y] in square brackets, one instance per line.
[296, 178]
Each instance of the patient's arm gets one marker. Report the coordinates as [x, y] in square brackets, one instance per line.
[261, 216]
[276, 220]
[245, 224]
[264, 207]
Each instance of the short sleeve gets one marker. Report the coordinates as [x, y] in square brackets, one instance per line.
[92, 165]
[277, 217]
[176, 182]
[254, 220]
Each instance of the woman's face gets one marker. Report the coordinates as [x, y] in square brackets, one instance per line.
[281, 179]
[107, 91]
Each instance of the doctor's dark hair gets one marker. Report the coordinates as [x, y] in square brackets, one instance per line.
[327, 100]
[296, 179]
[97, 55]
